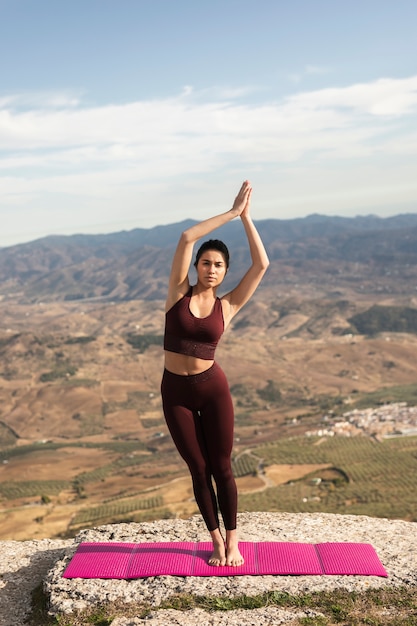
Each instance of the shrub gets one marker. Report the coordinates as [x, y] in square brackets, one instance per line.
[83, 339]
[270, 393]
[142, 342]
[380, 319]
[61, 370]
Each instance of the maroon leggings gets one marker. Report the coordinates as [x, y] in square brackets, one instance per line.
[199, 413]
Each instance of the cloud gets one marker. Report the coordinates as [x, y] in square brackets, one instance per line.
[44, 100]
[308, 71]
[187, 128]
[385, 97]
[58, 146]
[316, 69]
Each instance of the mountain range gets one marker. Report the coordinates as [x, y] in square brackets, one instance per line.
[135, 264]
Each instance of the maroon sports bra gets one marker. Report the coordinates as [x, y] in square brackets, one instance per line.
[190, 335]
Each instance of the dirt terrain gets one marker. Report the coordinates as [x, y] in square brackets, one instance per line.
[80, 399]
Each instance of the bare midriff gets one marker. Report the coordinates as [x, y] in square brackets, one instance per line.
[184, 365]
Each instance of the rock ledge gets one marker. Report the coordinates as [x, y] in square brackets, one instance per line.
[23, 565]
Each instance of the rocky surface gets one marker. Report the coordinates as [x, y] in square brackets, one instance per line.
[23, 565]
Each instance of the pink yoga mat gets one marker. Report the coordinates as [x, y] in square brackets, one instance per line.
[141, 560]
[350, 558]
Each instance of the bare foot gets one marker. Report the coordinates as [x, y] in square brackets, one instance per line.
[233, 555]
[218, 557]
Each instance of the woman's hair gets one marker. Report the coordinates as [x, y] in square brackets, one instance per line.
[213, 244]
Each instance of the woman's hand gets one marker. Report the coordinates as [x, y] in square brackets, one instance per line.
[242, 200]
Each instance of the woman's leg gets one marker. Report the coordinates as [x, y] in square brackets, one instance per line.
[184, 425]
[204, 439]
[217, 421]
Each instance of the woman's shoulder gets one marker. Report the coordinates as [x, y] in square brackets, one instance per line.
[174, 298]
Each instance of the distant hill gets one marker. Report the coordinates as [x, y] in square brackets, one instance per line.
[135, 264]
[379, 319]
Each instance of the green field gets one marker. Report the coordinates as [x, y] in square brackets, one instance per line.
[114, 511]
[369, 478]
[364, 476]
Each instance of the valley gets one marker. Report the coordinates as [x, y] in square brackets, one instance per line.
[83, 440]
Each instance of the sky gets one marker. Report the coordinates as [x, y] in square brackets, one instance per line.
[122, 114]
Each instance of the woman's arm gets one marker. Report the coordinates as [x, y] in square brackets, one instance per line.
[235, 299]
[178, 280]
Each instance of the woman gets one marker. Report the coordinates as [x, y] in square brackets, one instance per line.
[195, 394]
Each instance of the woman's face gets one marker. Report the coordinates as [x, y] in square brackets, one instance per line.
[211, 268]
